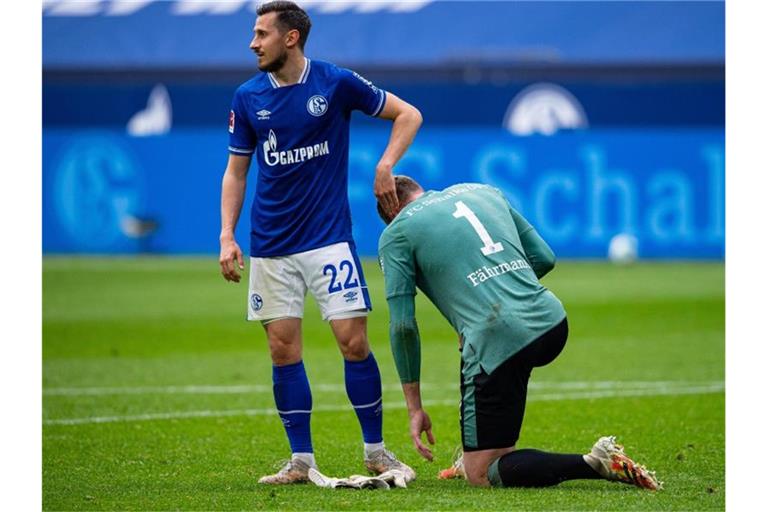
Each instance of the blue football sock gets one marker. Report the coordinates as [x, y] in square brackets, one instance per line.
[293, 399]
[363, 382]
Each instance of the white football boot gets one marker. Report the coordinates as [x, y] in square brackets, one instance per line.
[295, 471]
[457, 468]
[609, 460]
[384, 460]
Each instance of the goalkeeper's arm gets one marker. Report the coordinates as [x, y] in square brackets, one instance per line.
[406, 349]
[404, 337]
[538, 253]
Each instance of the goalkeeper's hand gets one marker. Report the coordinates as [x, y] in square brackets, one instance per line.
[420, 422]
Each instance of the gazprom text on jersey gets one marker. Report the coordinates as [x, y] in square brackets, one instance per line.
[295, 155]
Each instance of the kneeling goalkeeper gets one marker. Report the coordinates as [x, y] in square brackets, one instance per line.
[479, 261]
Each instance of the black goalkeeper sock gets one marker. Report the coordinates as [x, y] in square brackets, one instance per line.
[534, 468]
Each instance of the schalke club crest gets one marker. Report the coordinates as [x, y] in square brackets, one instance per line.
[317, 105]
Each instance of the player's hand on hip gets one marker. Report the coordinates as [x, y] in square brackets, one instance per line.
[420, 422]
[385, 192]
[231, 253]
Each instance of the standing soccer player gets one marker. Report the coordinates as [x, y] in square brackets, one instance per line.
[294, 116]
[479, 261]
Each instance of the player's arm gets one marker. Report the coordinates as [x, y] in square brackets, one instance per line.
[406, 350]
[538, 253]
[404, 338]
[398, 266]
[396, 258]
[232, 196]
[406, 122]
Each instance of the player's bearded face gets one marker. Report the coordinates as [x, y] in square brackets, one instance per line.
[269, 44]
[275, 64]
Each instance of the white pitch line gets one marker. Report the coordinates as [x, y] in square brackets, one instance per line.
[581, 395]
[338, 388]
[692, 390]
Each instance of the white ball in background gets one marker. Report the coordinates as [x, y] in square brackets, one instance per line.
[622, 249]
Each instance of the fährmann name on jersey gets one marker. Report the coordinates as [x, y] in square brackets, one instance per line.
[483, 274]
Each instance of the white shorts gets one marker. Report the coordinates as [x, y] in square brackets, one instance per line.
[333, 274]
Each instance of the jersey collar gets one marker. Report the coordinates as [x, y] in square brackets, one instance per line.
[302, 77]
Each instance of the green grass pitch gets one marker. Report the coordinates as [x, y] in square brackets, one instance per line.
[157, 392]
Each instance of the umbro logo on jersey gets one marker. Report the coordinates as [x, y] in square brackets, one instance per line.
[263, 115]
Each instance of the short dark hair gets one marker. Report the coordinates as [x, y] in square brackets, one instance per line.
[405, 187]
[289, 17]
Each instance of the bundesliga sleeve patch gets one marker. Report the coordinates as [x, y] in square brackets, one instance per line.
[231, 121]
[366, 82]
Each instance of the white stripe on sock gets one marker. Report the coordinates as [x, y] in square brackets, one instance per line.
[367, 405]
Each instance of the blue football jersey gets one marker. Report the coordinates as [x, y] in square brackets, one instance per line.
[300, 136]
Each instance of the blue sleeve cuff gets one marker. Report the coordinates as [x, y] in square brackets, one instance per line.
[382, 102]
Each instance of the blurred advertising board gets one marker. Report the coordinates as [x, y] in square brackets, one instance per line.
[108, 192]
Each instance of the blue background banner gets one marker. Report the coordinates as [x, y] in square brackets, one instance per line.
[175, 34]
[107, 192]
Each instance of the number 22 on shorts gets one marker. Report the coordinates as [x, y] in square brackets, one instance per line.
[336, 286]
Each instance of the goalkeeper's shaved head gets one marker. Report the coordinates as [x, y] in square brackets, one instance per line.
[407, 190]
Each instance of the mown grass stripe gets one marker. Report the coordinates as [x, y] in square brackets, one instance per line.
[580, 395]
[338, 388]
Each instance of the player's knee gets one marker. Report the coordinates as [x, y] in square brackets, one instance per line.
[282, 357]
[354, 347]
[477, 478]
[284, 351]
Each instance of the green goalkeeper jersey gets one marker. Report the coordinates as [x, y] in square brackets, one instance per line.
[479, 261]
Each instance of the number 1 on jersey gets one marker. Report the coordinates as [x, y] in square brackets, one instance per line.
[490, 247]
